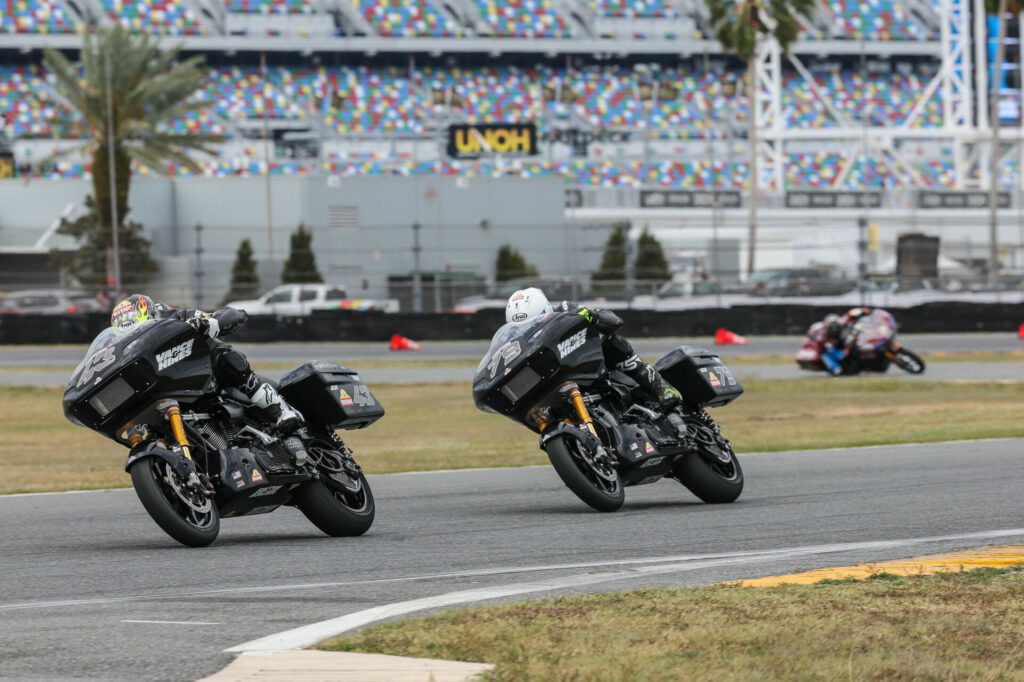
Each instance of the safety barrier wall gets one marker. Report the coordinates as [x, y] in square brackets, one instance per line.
[374, 326]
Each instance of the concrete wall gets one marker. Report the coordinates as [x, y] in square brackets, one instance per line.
[362, 227]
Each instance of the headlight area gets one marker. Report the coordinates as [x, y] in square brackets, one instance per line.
[520, 384]
[111, 396]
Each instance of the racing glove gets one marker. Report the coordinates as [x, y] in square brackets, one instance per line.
[605, 320]
[204, 325]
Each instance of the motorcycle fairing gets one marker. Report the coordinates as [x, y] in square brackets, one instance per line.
[554, 347]
[123, 370]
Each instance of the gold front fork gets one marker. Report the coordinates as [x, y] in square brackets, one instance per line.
[572, 391]
[172, 412]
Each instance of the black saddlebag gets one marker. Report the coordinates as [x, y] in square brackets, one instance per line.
[700, 376]
[331, 394]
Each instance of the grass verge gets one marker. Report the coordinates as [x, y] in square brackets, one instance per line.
[436, 426]
[946, 626]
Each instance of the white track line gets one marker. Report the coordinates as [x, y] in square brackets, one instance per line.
[308, 635]
[649, 562]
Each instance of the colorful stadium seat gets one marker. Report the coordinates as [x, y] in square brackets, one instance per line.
[271, 6]
[875, 20]
[165, 17]
[523, 18]
[635, 8]
[405, 18]
[29, 109]
[34, 16]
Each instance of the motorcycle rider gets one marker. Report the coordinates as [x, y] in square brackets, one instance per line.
[230, 367]
[618, 352]
[833, 349]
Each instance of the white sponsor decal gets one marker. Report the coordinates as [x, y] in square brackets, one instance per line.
[174, 355]
[269, 490]
[99, 361]
[572, 343]
[507, 353]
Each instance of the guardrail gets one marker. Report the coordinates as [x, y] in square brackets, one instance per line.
[949, 316]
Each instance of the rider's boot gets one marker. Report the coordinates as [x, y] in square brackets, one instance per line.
[286, 418]
[667, 395]
[651, 381]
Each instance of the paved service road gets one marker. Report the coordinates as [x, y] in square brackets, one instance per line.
[92, 589]
[37, 356]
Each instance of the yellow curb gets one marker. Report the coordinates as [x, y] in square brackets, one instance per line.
[329, 666]
[999, 556]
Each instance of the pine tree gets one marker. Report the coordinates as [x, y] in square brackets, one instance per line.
[510, 264]
[300, 268]
[87, 265]
[612, 272]
[650, 262]
[245, 283]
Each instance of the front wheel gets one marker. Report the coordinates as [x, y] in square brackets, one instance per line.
[596, 482]
[908, 361]
[186, 515]
[335, 509]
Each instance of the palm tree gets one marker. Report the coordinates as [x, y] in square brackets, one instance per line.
[1000, 8]
[127, 91]
[738, 24]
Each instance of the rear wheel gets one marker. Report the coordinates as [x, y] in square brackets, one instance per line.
[908, 361]
[593, 480]
[186, 515]
[713, 473]
[337, 509]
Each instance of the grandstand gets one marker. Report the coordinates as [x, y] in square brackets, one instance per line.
[876, 95]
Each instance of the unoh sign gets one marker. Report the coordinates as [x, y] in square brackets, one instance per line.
[489, 139]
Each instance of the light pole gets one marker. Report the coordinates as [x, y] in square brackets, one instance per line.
[115, 258]
[417, 282]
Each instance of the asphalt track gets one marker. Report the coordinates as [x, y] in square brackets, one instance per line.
[92, 589]
[38, 356]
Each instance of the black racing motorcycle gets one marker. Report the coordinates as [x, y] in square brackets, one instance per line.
[200, 452]
[598, 428]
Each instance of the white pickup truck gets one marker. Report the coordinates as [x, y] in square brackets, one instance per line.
[302, 299]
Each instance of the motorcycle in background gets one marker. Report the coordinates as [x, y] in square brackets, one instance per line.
[598, 428]
[871, 344]
[200, 452]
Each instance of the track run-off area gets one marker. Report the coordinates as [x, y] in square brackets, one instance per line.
[93, 590]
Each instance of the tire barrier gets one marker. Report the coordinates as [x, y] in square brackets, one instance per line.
[345, 325]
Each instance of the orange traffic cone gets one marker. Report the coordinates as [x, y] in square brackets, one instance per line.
[399, 342]
[724, 337]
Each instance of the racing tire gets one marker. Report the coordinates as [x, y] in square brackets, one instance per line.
[709, 478]
[190, 518]
[602, 490]
[336, 511]
[908, 361]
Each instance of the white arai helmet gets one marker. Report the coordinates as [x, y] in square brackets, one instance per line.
[526, 303]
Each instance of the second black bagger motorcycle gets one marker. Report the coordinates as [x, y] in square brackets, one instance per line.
[599, 430]
[200, 452]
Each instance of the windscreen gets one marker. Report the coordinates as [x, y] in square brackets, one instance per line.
[510, 331]
[107, 338]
